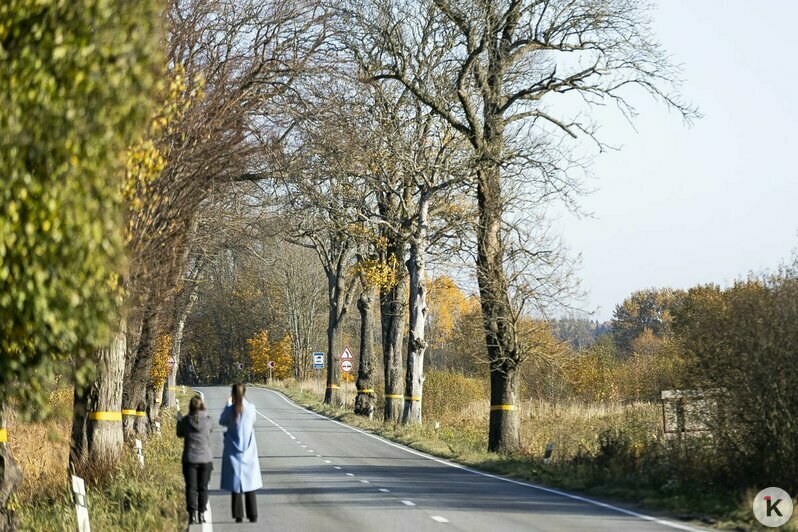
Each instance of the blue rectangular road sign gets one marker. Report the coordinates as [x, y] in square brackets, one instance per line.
[318, 360]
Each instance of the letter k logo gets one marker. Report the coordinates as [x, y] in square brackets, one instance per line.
[772, 506]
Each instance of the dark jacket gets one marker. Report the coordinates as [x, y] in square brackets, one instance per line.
[197, 443]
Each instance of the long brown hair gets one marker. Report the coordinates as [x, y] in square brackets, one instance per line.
[195, 406]
[238, 392]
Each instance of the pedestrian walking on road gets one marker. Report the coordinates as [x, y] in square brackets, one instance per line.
[240, 462]
[195, 429]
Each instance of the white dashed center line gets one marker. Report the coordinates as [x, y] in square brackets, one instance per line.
[364, 482]
[327, 462]
[350, 474]
[337, 467]
[439, 518]
[408, 503]
[385, 490]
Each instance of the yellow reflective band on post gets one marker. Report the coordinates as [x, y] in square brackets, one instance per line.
[105, 416]
[367, 390]
[333, 387]
[128, 412]
[141, 414]
[502, 407]
[3, 435]
[394, 396]
[174, 388]
[413, 397]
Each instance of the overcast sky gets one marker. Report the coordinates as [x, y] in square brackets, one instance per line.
[679, 206]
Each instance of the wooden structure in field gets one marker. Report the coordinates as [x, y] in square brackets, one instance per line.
[688, 411]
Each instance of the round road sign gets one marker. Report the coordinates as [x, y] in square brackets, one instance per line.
[346, 366]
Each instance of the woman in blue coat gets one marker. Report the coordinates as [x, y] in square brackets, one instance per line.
[240, 462]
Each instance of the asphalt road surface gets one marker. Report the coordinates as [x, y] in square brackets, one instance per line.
[321, 475]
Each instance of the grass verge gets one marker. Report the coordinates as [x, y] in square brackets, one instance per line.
[130, 498]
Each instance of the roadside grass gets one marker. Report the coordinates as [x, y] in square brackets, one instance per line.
[130, 498]
[614, 452]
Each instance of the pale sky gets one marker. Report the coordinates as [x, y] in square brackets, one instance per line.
[680, 206]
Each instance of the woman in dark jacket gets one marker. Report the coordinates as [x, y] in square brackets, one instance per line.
[195, 428]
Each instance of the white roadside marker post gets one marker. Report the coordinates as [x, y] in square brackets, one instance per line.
[158, 428]
[548, 453]
[81, 510]
[140, 452]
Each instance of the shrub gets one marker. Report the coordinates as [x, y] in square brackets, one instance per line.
[447, 392]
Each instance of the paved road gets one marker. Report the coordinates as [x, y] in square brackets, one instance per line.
[321, 475]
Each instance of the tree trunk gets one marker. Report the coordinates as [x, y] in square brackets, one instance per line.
[365, 400]
[10, 476]
[336, 298]
[392, 318]
[182, 314]
[134, 404]
[417, 342]
[153, 399]
[97, 439]
[503, 436]
[496, 311]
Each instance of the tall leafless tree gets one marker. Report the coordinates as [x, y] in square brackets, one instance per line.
[503, 63]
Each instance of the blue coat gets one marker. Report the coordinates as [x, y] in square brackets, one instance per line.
[240, 462]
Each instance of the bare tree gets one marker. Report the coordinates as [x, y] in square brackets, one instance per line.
[490, 68]
[245, 56]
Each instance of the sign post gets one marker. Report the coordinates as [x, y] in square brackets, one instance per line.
[81, 510]
[318, 365]
[271, 366]
[346, 366]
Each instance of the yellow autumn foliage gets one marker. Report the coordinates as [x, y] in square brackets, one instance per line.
[262, 350]
[160, 360]
[381, 274]
[447, 303]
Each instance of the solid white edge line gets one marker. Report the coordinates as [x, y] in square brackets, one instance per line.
[207, 526]
[572, 496]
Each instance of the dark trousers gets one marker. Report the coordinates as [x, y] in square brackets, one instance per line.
[197, 478]
[238, 505]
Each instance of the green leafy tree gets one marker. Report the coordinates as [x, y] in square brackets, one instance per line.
[650, 310]
[74, 89]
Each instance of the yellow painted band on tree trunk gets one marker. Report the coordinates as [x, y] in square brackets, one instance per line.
[333, 387]
[413, 397]
[141, 414]
[3, 435]
[105, 416]
[367, 390]
[128, 412]
[502, 407]
[394, 396]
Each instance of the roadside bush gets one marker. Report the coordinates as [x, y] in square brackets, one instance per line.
[744, 342]
[447, 392]
[600, 374]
